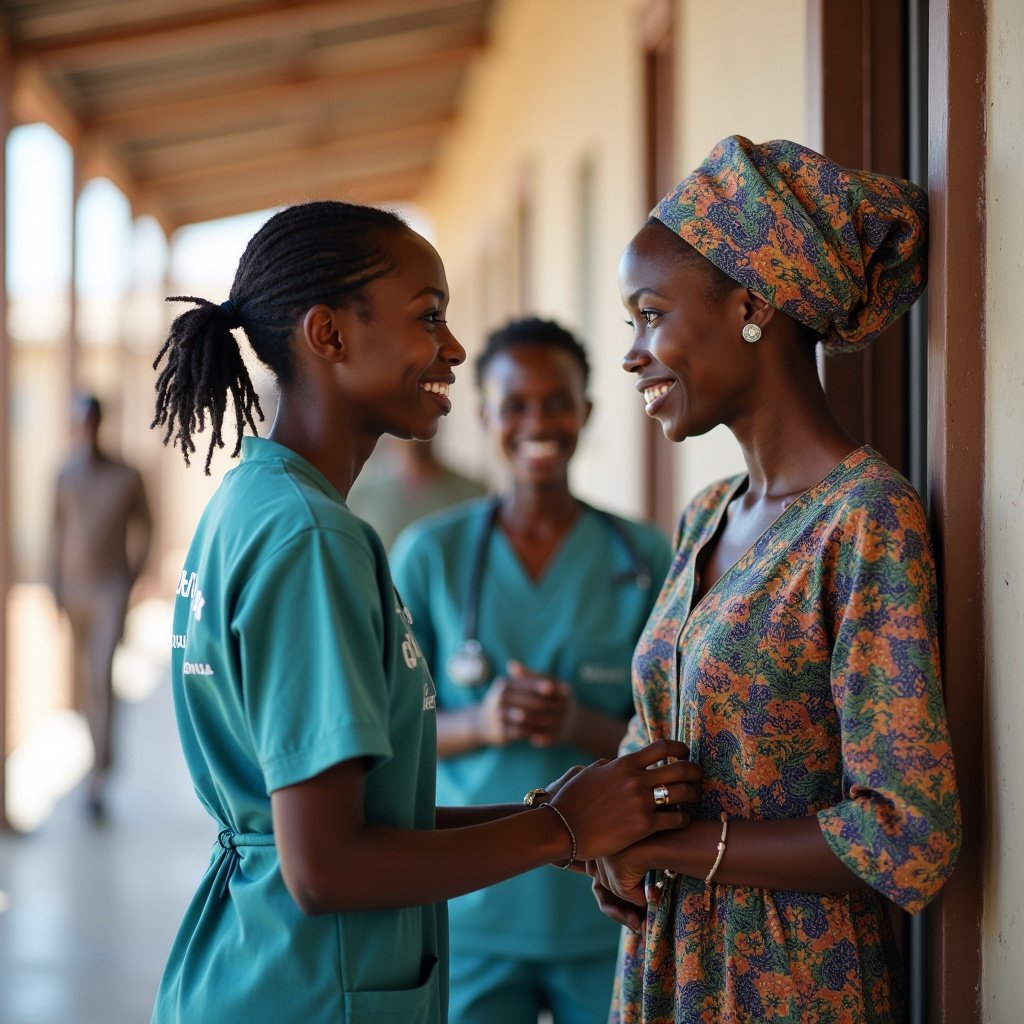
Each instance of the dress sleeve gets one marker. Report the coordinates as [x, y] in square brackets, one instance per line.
[898, 826]
[310, 631]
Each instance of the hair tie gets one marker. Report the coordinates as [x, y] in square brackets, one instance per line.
[231, 316]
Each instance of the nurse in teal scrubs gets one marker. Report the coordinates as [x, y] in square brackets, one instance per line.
[527, 607]
[305, 708]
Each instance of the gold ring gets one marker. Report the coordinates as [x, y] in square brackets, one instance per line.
[661, 795]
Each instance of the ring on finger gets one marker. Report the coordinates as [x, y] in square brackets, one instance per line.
[661, 795]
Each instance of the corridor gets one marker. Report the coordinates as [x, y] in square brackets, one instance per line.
[88, 911]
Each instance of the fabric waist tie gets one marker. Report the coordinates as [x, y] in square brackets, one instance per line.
[230, 841]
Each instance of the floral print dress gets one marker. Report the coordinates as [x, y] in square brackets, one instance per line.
[806, 682]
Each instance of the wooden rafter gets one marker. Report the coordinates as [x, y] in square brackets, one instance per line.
[117, 41]
[285, 94]
[378, 188]
[356, 150]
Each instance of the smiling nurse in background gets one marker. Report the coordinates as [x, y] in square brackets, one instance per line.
[527, 606]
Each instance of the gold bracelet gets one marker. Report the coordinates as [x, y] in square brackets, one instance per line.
[572, 836]
[718, 860]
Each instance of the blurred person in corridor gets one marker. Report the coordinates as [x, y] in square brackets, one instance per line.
[101, 536]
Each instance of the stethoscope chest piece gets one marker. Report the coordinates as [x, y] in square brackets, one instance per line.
[467, 665]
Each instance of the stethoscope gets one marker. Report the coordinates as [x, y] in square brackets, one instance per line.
[467, 664]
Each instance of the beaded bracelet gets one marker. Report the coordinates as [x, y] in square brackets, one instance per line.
[568, 828]
[718, 860]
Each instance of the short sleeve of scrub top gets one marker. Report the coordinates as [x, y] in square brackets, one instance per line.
[324, 587]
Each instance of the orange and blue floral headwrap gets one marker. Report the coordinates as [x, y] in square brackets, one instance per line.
[841, 251]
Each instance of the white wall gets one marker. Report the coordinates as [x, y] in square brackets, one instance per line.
[1003, 916]
[561, 85]
[742, 70]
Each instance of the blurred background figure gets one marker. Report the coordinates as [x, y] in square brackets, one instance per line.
[527, 606]
[405, 482]
[102, 533]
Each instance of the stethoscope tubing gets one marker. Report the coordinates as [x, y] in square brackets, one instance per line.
[639, 573]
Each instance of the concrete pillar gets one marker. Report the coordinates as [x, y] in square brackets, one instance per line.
[71, 360]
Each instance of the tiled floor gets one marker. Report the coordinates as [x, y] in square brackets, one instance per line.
[88, 912]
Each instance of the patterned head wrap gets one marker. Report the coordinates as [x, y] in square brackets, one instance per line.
[840, 251]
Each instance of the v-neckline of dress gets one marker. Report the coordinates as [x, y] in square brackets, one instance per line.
[676, 712]
[715, 525]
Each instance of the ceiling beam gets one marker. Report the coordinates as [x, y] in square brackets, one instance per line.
[322, 180]
[181, 32]
[334, 106]
[34, 99]
[403, 186]
[190, 112]
[166, 156]
[282, 162]
[304, 179]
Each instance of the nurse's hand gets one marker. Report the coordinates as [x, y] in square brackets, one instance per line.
[610, 805]
[524, 705]
[542, 710]
[538, 708]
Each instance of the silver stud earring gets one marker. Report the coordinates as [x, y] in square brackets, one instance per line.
[751, 333]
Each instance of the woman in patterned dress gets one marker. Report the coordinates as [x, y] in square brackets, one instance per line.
[794, 645]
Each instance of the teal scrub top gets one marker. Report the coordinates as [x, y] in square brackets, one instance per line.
[290, 654]
[579, 623]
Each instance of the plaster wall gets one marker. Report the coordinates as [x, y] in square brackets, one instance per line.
[742, 70]
[1003, 913]
[550, 139]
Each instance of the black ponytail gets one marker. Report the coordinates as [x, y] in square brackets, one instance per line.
[322, 252]
[204, 365]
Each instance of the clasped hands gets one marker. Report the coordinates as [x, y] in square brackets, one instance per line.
[622, 881]
[637, 795]
[525, 705]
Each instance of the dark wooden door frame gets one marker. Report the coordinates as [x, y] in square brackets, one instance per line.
[857, 113]
[660, 174]
[855, 64]
[860, 96]
[956, 461]
[6, 90]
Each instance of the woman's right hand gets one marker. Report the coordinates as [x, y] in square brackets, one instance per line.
[610, 805]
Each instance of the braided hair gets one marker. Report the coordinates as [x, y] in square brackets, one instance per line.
[320, 252]
[531, 331]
